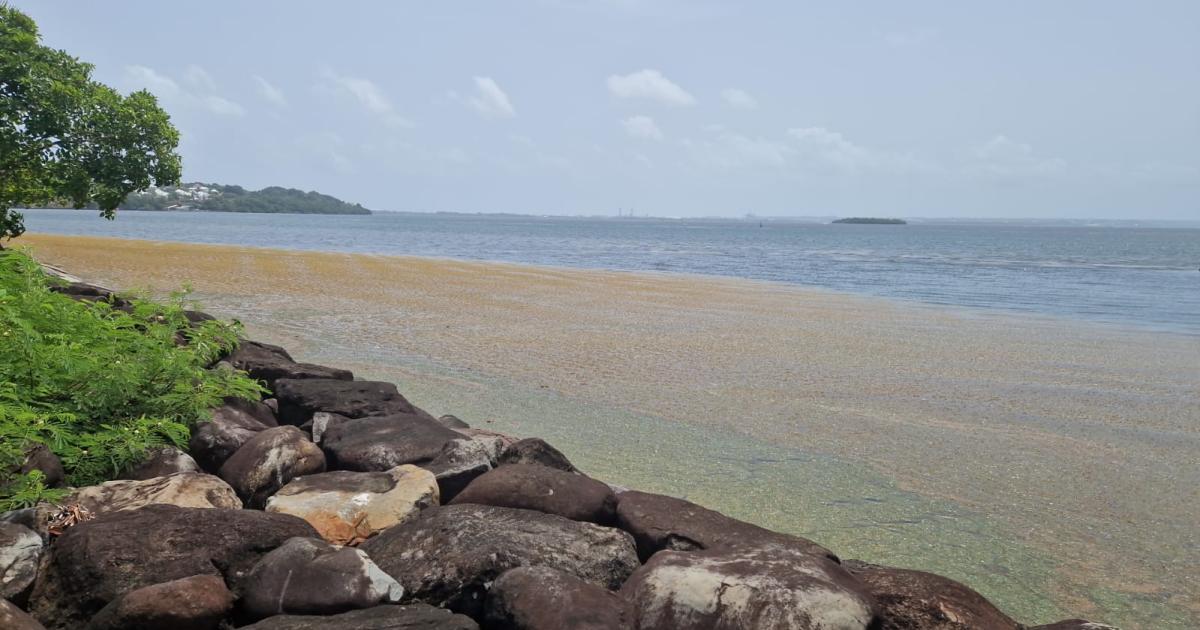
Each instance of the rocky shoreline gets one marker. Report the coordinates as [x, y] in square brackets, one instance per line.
[337, 503]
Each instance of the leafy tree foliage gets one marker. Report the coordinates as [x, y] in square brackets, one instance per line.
[96, 384]
[66, 137]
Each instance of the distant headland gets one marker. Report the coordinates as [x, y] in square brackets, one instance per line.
[202, 197]
[871, 221]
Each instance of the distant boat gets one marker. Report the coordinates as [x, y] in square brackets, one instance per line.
[872, 221]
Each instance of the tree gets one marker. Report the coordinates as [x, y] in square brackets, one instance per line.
[65, 137]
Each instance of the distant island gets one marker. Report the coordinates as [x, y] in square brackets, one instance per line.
[872, 221]
[201, 197]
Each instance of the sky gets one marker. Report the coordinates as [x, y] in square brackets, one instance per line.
[1016, 109]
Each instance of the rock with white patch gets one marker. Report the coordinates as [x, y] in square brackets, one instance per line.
[535, 451]
[185, 489]
[268, 461]
[311, 577]
[449, 555]
[1074, 624]
[762, 588]
[923, 601]
[350, 507]
[20, 552]
[541, 598]
[410, 617]
[458, 464]
[534, 487]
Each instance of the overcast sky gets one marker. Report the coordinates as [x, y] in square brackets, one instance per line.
[674, 108]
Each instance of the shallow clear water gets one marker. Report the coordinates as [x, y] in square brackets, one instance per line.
[1146, 277]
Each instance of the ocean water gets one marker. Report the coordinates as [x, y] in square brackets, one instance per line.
[1144, 277]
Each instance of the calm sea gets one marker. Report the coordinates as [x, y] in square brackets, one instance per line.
[1146, 277]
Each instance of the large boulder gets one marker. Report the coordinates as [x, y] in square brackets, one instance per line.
[350, 507]
[659, 522]
[160, 462]
[541, 598]
[534, 487]
[311, 577]
[268, 461]
[384, 442]
[185, 489]
[299, 399]
[269, 364]
[494, 441]
[231, 426]
[39, 457]
[916, 599]
[20, 552]
[460, 462]
[411, 617]
[535, 451]
[200, 602]
[449, 555]
[94, 562]
[762, 588]
[13, 618]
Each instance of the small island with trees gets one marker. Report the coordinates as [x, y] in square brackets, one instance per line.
[871, 221]
[201, 197]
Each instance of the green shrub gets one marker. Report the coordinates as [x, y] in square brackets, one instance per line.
[97, 385]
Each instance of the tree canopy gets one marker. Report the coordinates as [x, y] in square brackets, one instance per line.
[67, 138]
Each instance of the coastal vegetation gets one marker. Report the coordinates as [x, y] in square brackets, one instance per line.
[196, 196]
[66, 138]
[871, 221]
[98, 382]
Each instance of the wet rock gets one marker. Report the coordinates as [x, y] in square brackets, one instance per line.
[762, 588]
[311, 577]
[40, 457]
[160, 462]
[20, 551]
[268, 363]
[410, 617]
[1074, 624]
[916, 599]
[231, 426]
[94, 562]
[541, 598]
[449, 555]
[200, 602]
[534, 487]
[186, 489]
[659, 522]
[299, 399]
[535, 451]
[459, 463]
[13, 618]
[384, 442]
[268, 461]
[350, 507]
[453, 422]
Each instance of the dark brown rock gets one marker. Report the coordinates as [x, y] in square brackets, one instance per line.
[160, 462]
[535, 451]
[918, 600]
[767, 587]
[199, 602]
[384, 442]
[231, 426]
[40, 457]
[13, 618]
[541, 598]
[410, 617]
[269, 363]
[659, 522]
[267, 461]
[460, 462]
[311, 577]
[534, 487]
[299, 399]
[96, 561]
[453, 422]
[448, 556]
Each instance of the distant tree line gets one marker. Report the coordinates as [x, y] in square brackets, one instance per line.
[230, 198]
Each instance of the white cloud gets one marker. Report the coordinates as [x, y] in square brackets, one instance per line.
[739, 99]
[823, 145]
[729, 150]
[365, 92]
[141, 77]
[1005, 158]
[490, 101]
[200, 78]
[222, 106]
[269, 92]
[649, 84]
[642, 127]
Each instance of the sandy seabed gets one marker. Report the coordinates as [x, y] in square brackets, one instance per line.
[1052, 464]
